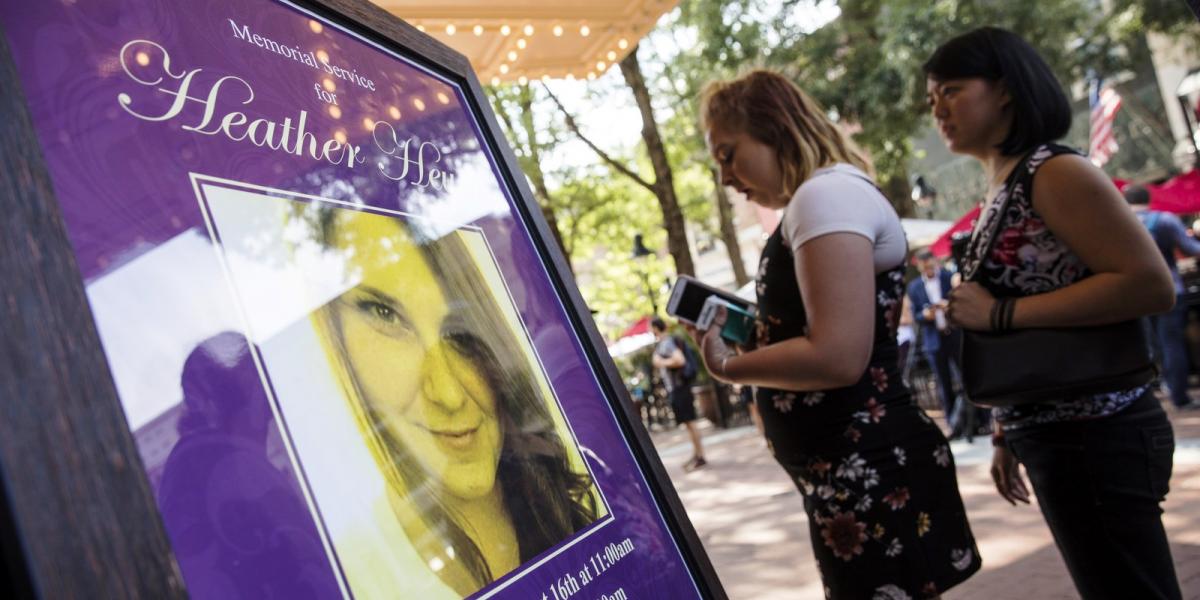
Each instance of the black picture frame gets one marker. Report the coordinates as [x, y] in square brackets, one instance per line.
[77, 517]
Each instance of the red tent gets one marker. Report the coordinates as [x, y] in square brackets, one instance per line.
[1180, 195]
[641, 326]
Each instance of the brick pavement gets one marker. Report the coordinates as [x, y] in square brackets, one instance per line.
[752, 522]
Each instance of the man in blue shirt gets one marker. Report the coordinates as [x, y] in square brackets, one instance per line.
[1171, 236]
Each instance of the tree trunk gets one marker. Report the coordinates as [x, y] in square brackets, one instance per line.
[534, 171]
[664, 186]
[897, 189]
[729, 232]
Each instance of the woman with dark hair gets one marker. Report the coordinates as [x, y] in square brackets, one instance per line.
[1056, 245]
[477, 474]
[877, 476]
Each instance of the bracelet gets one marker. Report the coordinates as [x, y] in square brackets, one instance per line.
[1002, 314]
[997, 315]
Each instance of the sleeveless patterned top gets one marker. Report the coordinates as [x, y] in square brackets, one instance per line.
[1027, 259]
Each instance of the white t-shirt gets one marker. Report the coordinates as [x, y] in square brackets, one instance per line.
[841, 199]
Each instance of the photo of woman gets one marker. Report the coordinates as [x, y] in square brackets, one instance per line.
[477, 475]
[435, 455]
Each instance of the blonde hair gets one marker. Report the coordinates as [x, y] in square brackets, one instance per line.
[774, 111]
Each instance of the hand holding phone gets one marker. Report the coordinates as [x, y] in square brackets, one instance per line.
[689, 295]
[735, 323]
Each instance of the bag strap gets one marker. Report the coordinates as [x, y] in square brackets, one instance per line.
[975, 257]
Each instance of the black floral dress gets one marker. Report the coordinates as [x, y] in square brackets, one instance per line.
[878, 480]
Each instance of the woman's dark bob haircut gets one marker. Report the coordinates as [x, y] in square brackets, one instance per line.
[1041, 112]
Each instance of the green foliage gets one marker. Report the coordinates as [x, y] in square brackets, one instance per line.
[599, 210]
[864, 67]
[596, 211]
[1165, 16]
[683, 67]
[508, 102]
[620, 288]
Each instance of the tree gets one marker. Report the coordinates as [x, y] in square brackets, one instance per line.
[728, 231]
[590, 212]
[679, 79]
[1171, 17]
[529, 148]
[596, 212]
[663, 186]
[865, 66]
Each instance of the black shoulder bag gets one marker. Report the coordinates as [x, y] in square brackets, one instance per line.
[1024, 366]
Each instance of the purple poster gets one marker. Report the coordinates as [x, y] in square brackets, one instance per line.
[341, 355]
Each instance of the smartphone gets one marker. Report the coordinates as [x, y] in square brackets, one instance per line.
[688, 296]
[738, 323]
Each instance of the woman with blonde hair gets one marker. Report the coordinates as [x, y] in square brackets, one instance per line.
[885, 516]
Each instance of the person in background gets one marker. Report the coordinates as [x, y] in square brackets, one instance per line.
[746, 396]
[1170, 236]
[1068, 252]
[877, 476]
[906, 335]
[938, 340]
[670, 361]
[637, 394]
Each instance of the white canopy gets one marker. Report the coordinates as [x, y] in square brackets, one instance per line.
[514, 40]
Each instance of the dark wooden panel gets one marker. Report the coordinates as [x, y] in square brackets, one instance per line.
[80, 507]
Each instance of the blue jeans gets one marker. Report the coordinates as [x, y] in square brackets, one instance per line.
[1172, 350]
[1099, 484]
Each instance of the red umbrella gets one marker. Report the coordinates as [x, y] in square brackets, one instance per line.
[941, 248]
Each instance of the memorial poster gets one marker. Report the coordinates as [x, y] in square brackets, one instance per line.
[341, 355]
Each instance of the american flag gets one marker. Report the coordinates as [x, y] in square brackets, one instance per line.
[1105, 103]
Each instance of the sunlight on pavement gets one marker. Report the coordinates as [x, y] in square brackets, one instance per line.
[751, 520]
